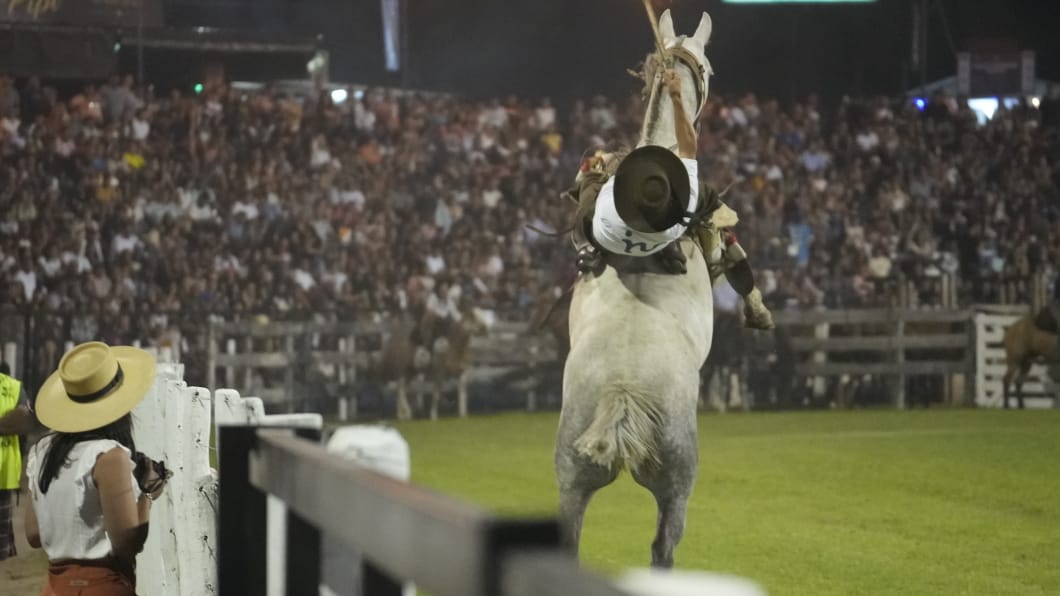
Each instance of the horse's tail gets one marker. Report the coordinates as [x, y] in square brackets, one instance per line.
[624, 430]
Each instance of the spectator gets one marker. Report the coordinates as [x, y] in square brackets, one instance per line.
[16, 419]
[91, 490]
[258, 203]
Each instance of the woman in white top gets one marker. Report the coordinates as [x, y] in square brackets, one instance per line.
[91, 489]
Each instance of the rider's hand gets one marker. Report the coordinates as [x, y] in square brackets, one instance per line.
[672, 82]
[152, 476]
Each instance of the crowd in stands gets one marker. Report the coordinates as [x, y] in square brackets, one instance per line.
[129, 214]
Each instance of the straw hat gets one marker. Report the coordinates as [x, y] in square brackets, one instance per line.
[652, 189]
[95, 385]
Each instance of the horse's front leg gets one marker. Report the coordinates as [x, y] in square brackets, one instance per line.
[1010, 372]
[404, 412]
[461, 394]
[421, 380]
[436, 395]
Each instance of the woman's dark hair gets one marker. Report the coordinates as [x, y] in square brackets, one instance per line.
[61, 443]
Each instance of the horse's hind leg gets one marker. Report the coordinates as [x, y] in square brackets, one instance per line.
[670, 527]
[578, 480]
[1025, 368]
[461, 394]
[421, 380]
[1006, 381]
[671, 483]
[436, 397]
[572, 505]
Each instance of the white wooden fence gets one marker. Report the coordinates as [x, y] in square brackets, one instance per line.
[173, 424]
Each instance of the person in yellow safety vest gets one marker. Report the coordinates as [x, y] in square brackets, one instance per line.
[16, 419]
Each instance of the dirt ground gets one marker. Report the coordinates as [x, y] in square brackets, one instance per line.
[24, 574]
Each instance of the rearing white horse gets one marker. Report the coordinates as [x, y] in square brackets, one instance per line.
[638, 339]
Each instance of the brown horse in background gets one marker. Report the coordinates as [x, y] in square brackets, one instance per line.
[1026, 342]
[550, 314]
[449, 357]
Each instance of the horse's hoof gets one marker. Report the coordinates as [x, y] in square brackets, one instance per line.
[756, 315]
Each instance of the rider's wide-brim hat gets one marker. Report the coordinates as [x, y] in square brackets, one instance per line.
[652, 189]
[95, 385]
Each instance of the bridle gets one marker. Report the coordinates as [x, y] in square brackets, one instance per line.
[697, 66]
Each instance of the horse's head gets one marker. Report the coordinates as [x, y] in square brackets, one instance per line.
[690, 49]
[688, 56]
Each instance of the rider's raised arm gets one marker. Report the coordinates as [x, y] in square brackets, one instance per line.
[683, 128]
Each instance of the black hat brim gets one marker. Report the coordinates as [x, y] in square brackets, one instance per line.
[629, 178]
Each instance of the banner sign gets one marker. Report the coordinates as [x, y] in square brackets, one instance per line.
[996, 73]
[124, 13]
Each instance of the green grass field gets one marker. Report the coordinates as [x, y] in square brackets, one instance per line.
[868, 502]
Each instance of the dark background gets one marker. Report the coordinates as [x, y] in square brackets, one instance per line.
[576, 48]
[579, 47]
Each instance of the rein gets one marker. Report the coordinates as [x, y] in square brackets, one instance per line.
[680, 53]
[691, 62]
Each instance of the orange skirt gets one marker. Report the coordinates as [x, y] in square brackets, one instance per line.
[88, 578]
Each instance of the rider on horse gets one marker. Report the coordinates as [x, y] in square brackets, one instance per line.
[643, 203]
[1048, 318]
[441, 309]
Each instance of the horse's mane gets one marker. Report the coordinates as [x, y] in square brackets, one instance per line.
[646, 71]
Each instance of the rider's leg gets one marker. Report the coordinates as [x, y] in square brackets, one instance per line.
[589, 256]
[725, 256]
[740, 276]
[673, 259]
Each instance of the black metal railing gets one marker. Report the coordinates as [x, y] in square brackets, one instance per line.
[402, 532]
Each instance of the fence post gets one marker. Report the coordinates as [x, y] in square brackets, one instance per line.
[242, 541]
[351, 382]
[288, 375]
[248, 371]
[971, 357]
[211, 357]
[820, 331]
[531, 393]
[230, 349]
[303, 545]
[343, 376]
[899, 358]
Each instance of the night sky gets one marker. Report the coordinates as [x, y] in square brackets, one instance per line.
[574, 48]
[584, 46]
